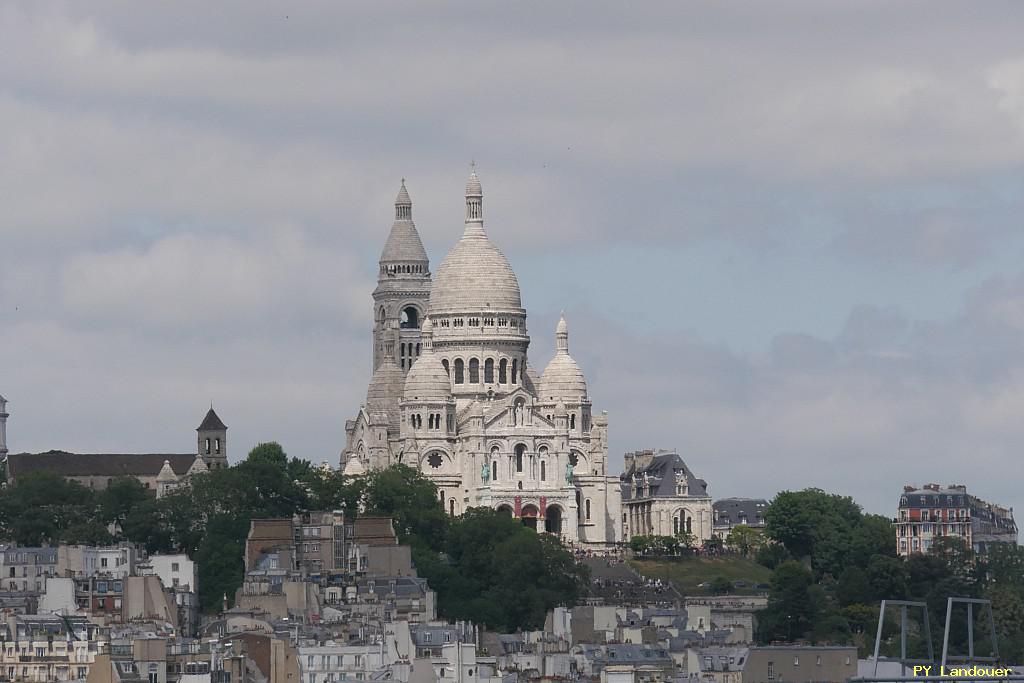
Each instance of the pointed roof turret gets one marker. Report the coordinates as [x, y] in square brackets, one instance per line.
[166, 473]
[198, 467]
[211, 423]
[404, 244]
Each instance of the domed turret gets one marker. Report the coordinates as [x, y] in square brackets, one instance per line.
[562, 379]
[475, 276]
[427, 381]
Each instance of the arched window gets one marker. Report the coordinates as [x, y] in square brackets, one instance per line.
[520, 451]
[515, 374]
[447, 370]
[494, 464]
[410, 319]
[207, 446]
[474, 371]
[503, 371]
[460, 373]
[572, 421]
[588, 509]
[216, 446]
[451, 422]
[543, 471]
[451, 506]
[489, 371]
[442, 499]
[689, 525]
[675, 526]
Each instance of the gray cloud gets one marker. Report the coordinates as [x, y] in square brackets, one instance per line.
[194, 198]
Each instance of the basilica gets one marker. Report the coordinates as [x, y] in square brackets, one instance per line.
[454, 394]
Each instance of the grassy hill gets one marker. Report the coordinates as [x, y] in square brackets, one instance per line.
[691, 575]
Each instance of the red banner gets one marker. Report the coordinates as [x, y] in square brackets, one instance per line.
[519, 506]
[543, 507]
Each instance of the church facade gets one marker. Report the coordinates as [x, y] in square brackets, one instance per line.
[455, 395]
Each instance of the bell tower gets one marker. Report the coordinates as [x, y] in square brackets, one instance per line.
[213, 441]
[403, 289]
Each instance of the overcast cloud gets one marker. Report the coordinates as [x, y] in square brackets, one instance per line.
[787, 237]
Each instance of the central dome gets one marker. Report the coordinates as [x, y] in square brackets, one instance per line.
[475, 276]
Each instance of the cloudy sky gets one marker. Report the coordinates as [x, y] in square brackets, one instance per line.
[787, 236]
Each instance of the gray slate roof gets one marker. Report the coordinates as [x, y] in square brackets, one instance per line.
[211, 423]
[733, 510]
[97, 464]
[661, 474]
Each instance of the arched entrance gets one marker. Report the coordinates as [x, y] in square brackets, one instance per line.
[505, 509]
[553, 520]
[530, 514]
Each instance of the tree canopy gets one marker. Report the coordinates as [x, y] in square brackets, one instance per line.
[484, 566]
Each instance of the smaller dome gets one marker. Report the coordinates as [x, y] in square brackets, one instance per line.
[562, 379]
[427, 381]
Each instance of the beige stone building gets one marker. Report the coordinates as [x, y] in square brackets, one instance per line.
[661, 496]
[455, 395]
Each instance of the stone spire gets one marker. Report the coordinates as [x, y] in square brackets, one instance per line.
[474, 204]
[403, 204]
[562, 336]
[3, 427]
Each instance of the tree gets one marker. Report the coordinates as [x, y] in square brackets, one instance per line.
[853, 587]
[887, 577]
[771, 555]
[743, 539]
[793, 607]
[501, 574]
[121, 496]
[828, 529]
[411, 500]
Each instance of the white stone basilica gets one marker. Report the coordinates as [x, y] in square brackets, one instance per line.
[453, 393]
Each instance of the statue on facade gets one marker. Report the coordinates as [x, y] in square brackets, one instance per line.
[568, 472]
[485, 471]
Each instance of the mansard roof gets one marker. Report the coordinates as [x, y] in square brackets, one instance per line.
[660, 474]
[732, 510]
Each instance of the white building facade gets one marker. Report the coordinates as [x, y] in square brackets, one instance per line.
[454, 395]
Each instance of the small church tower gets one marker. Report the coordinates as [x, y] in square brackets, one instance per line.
[213, 441]
[3, 428]
[403, 289]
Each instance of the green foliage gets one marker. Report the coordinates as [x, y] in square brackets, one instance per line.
[485, 566]
[793, 604]
[721, 586]
[500, 573]
[829, 530]
[771, 555]
[411, 500]
[743, 539]
[853, 587]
